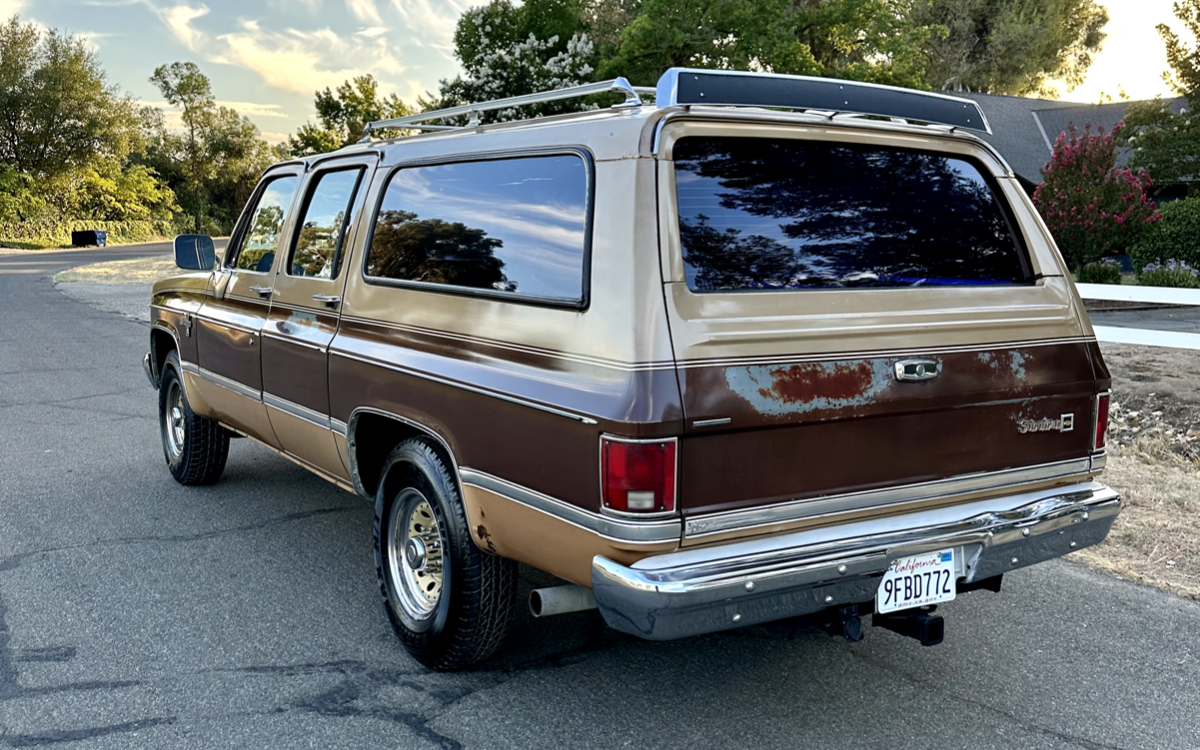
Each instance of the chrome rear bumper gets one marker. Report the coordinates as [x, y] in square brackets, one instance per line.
[708, 589]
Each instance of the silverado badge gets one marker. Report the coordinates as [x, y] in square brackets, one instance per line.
[1065, 423]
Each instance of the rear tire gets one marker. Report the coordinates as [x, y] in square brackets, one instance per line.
[450, 603]
[195, 447]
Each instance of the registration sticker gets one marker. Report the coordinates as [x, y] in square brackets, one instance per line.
[917, 581]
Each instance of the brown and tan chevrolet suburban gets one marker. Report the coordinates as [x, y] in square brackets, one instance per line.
[771, 348]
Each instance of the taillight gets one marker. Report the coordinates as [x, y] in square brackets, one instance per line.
[637, 477]
[1101, 425]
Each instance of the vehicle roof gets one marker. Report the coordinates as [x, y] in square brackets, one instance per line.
[613, 133]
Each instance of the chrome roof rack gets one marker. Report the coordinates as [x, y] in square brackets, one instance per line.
[472, 111]
[687, 87]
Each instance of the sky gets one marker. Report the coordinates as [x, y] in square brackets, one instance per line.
[267, 58]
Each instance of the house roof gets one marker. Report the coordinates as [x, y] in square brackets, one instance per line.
[1024, 130]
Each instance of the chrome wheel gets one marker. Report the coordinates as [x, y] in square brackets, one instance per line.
[173, 419]
[415, 558]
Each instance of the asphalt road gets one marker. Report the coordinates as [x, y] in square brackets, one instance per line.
[138, 613]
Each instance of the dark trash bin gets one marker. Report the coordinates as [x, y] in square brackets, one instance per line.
[89, 238]
[1124, 261]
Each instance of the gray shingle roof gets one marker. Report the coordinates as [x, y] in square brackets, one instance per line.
[1024, 130]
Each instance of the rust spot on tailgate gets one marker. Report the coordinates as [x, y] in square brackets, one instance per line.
[818, 386]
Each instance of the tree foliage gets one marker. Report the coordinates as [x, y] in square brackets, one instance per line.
[343, 114]
[1175, 237]
[215, 162]
[1164, 141]
[1093, 208]
[1017, 47]
[69, 140]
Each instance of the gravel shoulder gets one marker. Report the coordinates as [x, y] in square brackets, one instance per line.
[1154, 461]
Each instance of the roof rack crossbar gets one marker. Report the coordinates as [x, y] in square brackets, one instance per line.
[632, 94]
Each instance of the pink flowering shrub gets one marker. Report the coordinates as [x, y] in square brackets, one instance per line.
[1093, 208]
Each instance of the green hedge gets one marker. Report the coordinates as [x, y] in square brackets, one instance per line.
[1104, 272]
[1176, 236]
[60, 231]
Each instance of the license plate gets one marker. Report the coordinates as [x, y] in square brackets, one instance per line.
[917, 581]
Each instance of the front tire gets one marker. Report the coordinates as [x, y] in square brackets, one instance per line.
[450, 603]
[195, 447]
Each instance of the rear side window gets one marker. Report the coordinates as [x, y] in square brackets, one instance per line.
[257, 252]
[767, 214]
[510, 227]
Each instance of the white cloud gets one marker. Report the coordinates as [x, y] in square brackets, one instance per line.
[274, 138]
[9, 8]
[372, 31]
[364, 10]
[178, 20]
[91, 38]
[303, 61]
[432, 24]
[253, 109]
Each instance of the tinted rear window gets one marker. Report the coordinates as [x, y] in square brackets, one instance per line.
[764, 214]
[509, 226]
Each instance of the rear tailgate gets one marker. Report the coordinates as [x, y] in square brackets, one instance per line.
[794, 409]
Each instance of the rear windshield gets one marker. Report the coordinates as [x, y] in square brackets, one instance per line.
[764, 214]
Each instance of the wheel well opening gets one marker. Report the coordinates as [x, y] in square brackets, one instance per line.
[161, 344]
[375, 437]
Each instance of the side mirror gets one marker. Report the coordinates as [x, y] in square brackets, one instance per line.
[195, 252]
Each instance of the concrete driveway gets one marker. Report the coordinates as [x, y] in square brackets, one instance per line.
[138, 613]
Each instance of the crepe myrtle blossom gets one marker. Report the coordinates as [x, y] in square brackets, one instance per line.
[1093, 207]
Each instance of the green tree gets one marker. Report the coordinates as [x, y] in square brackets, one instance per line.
[342, 115]
[57, 111]
[217, 159]
[68, 138]
[1017, 47]
[1164, 141]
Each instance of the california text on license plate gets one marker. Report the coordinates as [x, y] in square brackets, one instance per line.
[917, 581]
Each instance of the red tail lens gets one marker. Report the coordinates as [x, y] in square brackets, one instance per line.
[1101, 420]
[638, 477]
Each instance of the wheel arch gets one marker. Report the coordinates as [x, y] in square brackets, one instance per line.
[372, 435]
[162, 342]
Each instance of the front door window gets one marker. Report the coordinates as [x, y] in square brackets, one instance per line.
[257, 252]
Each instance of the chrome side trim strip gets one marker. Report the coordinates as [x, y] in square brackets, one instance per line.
[616, 529]
[465, 387]
[296, 410]
[292, 340]
[741, 520]
[227, 383]
[226, 324]
[575, 357]
[337, 426]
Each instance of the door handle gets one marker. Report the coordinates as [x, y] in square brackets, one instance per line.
[263, 291]
[329, 300]
[918, 370]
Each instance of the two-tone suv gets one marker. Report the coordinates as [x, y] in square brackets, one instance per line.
[773, 347]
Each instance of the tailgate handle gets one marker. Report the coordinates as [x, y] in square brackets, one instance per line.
[917, 369]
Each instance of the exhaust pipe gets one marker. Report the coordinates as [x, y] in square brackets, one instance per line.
[560, 600]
